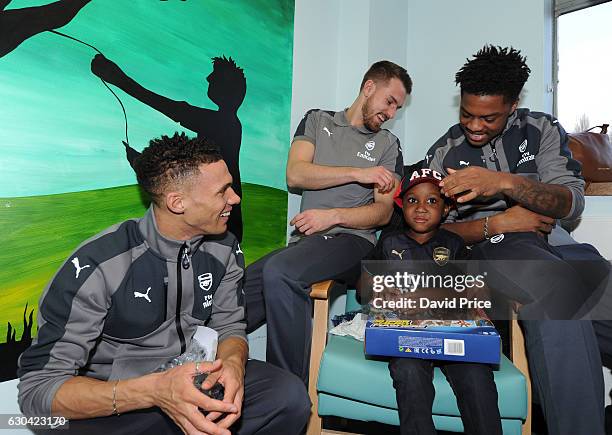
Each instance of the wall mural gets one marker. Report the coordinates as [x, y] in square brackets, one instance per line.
[84, 84]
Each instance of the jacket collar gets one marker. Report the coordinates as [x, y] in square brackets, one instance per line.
[511, 119]
[163, 246]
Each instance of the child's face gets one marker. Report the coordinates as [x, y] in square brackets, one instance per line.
[423, 208]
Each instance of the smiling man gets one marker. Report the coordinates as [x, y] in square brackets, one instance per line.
[513, 176]
[346, 166]
[131, 299]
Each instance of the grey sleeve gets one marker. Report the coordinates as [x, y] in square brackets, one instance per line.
[228, 313]
[434, 159]
[70, 320]
[307, 128]
[392, 158]
[556, 165]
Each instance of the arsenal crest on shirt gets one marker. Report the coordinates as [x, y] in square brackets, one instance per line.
[441, 255]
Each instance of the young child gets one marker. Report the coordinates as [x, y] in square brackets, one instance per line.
[424, 208]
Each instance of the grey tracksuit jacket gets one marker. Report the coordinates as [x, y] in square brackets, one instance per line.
[533, 145]
[126, 301]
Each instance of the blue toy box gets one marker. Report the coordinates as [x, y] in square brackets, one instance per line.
[450, 340]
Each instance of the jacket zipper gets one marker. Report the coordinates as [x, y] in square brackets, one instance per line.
[493, 156]
[182, 262]
[166, 296]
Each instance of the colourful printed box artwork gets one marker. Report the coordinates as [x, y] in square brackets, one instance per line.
[451, 340]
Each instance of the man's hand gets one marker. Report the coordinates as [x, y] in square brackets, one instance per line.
[107, 70]
[518, 219]
[180, 399]
[315, 220]
[380, 176]
[466, 184]
[231, 376]
[469, 183]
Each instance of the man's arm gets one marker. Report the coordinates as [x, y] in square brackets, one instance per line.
[79, 397]
[369, 216]
[548, 199]
[365, 217]
[228, 319]
[515, 219]
[228, 312]
[559, 194]
[71, 316]
[551, 200]
[234, 350]
[172, 391]
[302, 173]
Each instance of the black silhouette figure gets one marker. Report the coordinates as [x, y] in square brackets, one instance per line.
[17, 25]
[226, 88]
[11, 350]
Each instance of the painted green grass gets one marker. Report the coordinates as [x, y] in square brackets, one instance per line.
[39, 232]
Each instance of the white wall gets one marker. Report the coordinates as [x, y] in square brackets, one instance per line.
[597, 215]
[8, 406]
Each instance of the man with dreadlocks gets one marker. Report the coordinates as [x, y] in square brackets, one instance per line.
[513, 176]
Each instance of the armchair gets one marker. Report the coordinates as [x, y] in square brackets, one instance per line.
[344, 383]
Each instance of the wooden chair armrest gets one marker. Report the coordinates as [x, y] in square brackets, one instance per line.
[320, 290]
[518, 355]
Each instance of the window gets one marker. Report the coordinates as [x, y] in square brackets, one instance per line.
[584, 89]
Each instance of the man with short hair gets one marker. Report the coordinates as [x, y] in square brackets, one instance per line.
[347, 167]
[226, 88]
[132, 297]
[513, 176]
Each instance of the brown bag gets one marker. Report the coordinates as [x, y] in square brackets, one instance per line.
[594, 151]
